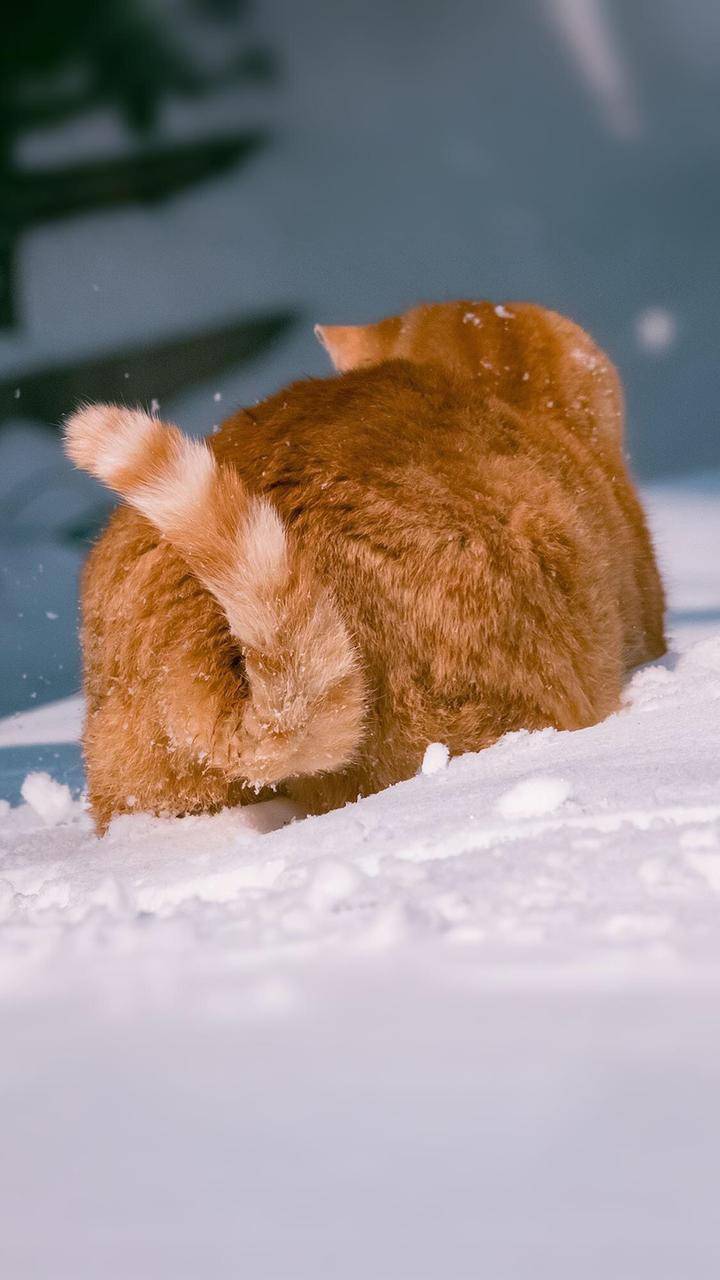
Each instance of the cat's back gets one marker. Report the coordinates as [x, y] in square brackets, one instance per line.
[413, 453]
[476, 583]
[420, 494]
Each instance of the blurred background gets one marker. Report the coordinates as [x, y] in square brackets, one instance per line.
[188, 185]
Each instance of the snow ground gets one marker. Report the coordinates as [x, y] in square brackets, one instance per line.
[466, 1028]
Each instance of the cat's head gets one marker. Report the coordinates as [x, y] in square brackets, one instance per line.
[520, 352]
[450, 333]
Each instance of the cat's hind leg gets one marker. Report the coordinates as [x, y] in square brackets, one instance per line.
[164, 681]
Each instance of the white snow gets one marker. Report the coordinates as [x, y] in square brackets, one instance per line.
[533, 797]
[57, 722]
[50, 800]
[584, 358]
[330, 883]
[467, 1026]
[436, 758]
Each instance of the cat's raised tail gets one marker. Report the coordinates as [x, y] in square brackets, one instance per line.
[305, 709]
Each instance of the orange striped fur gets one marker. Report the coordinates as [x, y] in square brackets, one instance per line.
[305, 703]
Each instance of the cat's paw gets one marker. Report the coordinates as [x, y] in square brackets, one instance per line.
[223, 747]
[245, 748]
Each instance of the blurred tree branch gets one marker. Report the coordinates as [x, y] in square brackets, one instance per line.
[63, 62]
[140, 374]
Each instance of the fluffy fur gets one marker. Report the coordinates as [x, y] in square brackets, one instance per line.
[442, 543]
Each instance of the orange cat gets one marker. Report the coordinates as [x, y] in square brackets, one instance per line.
[441, 544]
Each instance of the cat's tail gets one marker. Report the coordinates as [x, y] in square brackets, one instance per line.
[306, 700]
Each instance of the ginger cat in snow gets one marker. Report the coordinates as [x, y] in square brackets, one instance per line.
[441, 544]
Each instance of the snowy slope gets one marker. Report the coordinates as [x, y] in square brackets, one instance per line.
[59, 721]
[468, 1027]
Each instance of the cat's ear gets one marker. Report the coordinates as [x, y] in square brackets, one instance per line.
[345, 344]
[352, 345]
